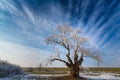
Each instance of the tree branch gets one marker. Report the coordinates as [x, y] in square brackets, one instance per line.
[68, 56]
[60, 60]
[76, 54]
[80, 60]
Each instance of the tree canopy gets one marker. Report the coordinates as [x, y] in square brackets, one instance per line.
[74, 42]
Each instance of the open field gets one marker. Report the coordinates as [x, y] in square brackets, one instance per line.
[107, 70]
[84, 76]
[63, 74]
[62, 70]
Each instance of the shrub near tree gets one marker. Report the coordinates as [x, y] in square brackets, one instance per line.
[7, 69]
[75, 48]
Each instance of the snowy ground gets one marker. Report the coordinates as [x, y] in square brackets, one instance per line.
[101, 76]
[89, 76]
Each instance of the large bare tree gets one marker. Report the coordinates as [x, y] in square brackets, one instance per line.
[76, 46]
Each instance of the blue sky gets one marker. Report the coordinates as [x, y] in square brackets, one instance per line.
[24, 25]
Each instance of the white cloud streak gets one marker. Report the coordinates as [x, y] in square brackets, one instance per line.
[22, 55]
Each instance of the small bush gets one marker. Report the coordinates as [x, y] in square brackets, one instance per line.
[8, 69]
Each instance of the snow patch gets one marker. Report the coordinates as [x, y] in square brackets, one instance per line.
[101, 76]
[89, 76]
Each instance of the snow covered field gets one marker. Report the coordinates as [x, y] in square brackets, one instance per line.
[89, 76]
[101, 76]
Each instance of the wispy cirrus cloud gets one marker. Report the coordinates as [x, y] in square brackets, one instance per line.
[29, 22]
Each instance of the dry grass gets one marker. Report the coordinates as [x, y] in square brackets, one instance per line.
[105, 69]
[65, 78]
[65, 70]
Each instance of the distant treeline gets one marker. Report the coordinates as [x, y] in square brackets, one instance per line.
[44, 70]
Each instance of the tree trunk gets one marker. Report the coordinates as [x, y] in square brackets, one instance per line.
[74, 71]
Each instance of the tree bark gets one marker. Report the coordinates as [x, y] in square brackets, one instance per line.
[74, 71]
